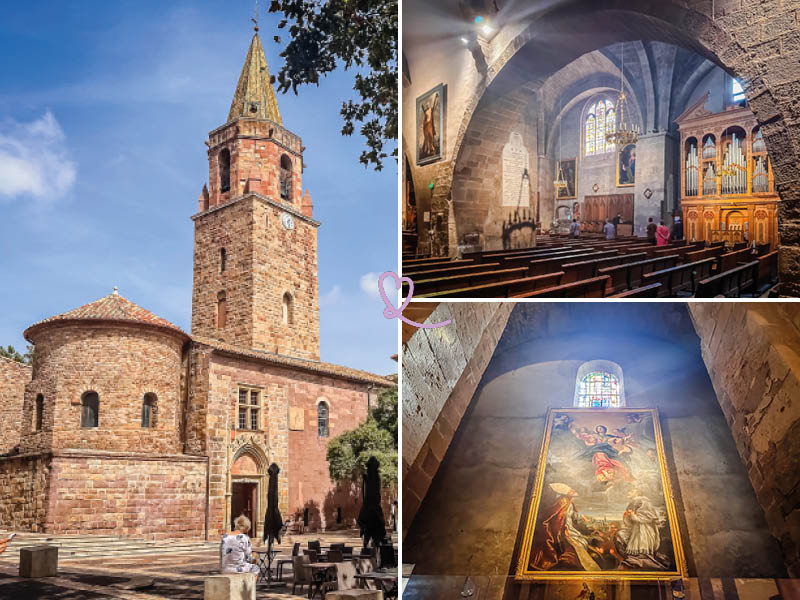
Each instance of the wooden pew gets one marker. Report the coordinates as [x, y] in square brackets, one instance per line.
[586, 269]
[548, 265]
[503, 289]
[712, 252]
[732, 259]
[428, 260]
[454, 282]
[681, 278]
[629, 276]
[762, 249]
[648, 291]
[587, 288]
[428, 273]
[730, 284]
[440, 263]
[767, 272]
[525, 259]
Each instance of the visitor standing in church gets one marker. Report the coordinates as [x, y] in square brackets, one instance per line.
[609, 230]
[662, 234]
[651, 231]
[677, 229]
[574, 229]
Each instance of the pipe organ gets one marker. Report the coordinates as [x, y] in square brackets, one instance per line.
[727, 188]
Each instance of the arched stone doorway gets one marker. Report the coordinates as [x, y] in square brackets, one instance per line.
[247, 483]
[559, 34]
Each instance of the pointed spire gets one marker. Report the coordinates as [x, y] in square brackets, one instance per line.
[254, 96]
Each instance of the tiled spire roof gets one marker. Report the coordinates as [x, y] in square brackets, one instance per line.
[254, 96]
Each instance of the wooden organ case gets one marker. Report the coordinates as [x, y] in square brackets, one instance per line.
[727, 189]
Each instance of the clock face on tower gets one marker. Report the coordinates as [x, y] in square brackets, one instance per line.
[288, 221]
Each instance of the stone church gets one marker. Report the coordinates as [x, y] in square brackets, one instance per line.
[507, 107]
[127, 425]
[489, 400]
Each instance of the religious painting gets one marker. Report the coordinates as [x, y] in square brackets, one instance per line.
[602, 506]
[430, 125]
[569, 172]
[626, 166]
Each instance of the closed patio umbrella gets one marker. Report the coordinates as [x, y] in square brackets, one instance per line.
[273, 523]
[370, 518]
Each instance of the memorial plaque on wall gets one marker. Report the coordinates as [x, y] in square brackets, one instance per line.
[516, 183]
[296, 418]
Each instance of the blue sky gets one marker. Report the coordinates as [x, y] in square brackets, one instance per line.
[104, 108]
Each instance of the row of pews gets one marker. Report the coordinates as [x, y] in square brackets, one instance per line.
[593, 267]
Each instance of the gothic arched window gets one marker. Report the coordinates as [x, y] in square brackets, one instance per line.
[322, 419]
[224, 170]
[90, 410]
[600, 119]
[599, 384]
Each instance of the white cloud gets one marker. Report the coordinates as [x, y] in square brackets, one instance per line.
[331, 297]
[34, 159]
[369, 284]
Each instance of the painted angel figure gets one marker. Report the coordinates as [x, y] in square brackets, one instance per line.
[605, 449]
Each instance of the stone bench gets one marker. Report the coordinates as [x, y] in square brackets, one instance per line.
[234, 586]
[38, 561]
[360, 594]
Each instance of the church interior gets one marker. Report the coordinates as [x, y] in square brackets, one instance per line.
[508, 495]
[522, 118]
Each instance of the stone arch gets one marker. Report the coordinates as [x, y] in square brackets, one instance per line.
[769, 87]
[253, 464]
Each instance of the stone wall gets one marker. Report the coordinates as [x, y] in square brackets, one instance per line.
[121, 363]
[152, 496]
[441, 369]
[299, 451]
[13, 377]
[471, 518]
[264, 260]
[756, 375]
[23, 492]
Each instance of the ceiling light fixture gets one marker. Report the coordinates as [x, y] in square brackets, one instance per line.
[464, 41]
[486, 29]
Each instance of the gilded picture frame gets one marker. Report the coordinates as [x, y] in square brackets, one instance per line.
[626, 166]
[431, 109]
[615, 548]
[569, 170]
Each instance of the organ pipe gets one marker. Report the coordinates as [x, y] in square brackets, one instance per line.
[710, 181]
[734, 161]
[760, 176]
[709, 148]
[691, 171]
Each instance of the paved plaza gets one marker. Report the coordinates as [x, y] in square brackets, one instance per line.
[157, 572]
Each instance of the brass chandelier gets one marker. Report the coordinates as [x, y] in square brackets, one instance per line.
[625, 133]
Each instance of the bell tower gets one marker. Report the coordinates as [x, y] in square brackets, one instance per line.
[255, 245]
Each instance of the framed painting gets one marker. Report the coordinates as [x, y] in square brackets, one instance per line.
[568, 168]
[602, 507]
[430, 125]
[626, 166]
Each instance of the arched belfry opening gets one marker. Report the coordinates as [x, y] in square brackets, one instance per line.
[224, 170]
[286, 178]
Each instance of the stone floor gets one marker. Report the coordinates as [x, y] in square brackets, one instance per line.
[177, 576]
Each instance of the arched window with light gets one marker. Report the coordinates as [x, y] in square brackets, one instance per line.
[599, 384]
[600, 119]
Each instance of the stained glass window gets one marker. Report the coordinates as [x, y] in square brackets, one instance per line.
[600, 119]
[599, 389]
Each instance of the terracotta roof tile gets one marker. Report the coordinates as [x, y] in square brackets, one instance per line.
[111, 308]
[300, 363]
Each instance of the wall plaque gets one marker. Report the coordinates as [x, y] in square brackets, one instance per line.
[516, 173]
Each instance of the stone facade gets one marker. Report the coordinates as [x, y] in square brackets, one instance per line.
[756, 377]
[13, 377]
[755, 41]
[121, 363]
[224, 403]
